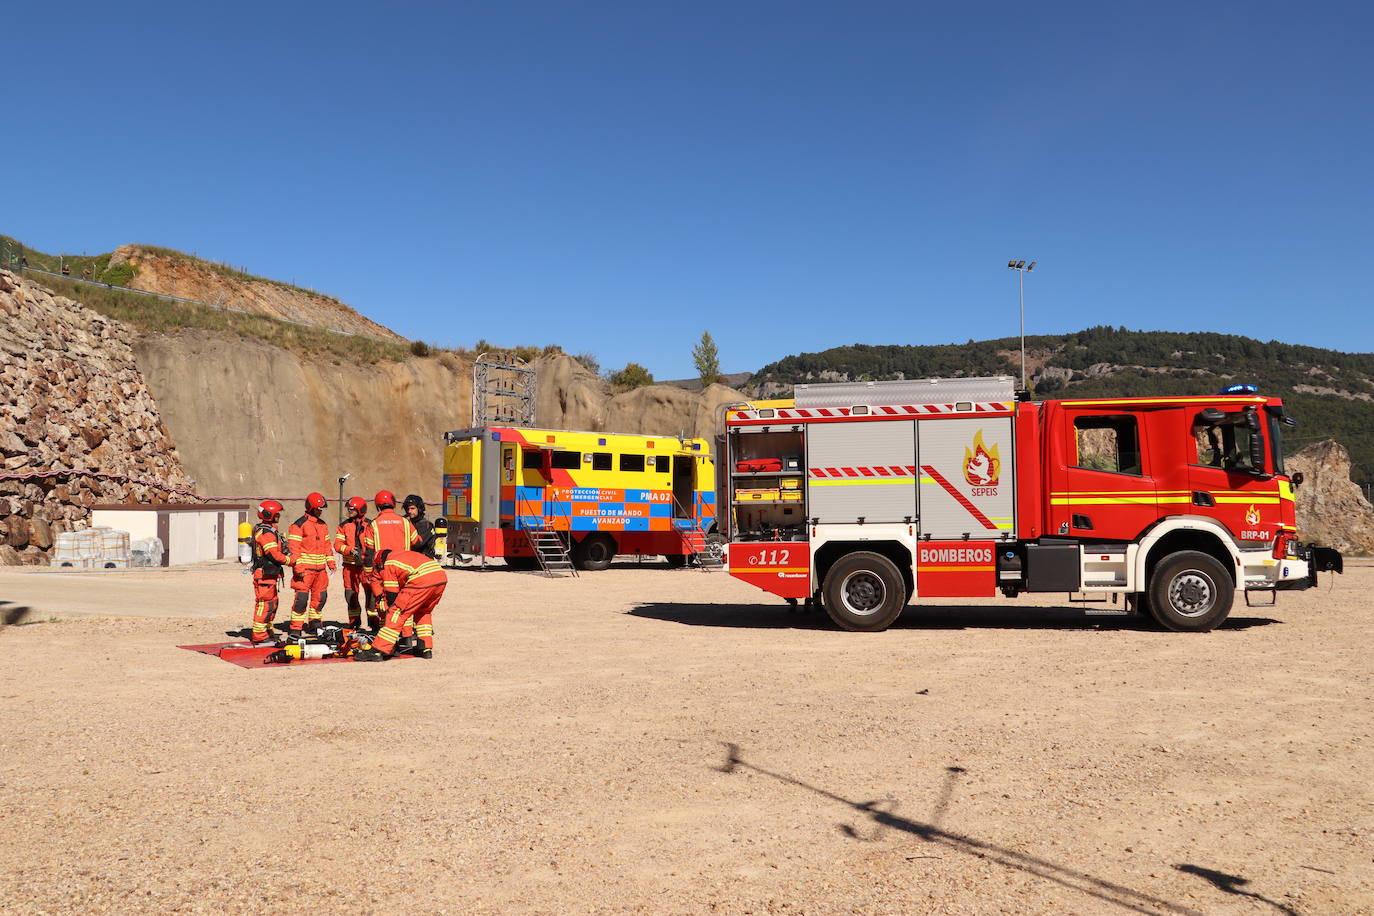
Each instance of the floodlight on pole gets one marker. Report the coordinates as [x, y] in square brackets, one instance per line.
[1022, 268]
[341, 500]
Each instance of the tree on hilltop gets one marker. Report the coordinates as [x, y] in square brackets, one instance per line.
[632, 376]
[707, 360]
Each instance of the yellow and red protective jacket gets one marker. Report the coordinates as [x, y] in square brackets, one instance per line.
[409, 569]
[268, 558]
[309, 539]
[388, 531]
[348, 540]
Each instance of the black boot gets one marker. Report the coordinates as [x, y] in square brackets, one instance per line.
[368, 655]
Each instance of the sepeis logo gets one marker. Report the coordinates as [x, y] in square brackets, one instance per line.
[1252, 516]
[982, 466]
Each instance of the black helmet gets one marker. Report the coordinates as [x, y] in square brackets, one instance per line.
[413, 500]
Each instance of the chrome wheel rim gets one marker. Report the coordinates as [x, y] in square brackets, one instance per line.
[863, 593]
[1191, 594]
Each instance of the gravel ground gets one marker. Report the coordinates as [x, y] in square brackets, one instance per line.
[645, 740]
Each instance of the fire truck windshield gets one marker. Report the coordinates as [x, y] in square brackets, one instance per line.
[1278, 418]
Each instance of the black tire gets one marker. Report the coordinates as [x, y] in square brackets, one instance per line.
[524, 564]
[1190, 592]
[864, 592]
[676, 560]
[594, 552]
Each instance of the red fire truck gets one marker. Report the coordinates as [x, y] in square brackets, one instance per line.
[861, 496]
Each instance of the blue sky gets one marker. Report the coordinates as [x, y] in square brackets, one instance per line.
[617, 178]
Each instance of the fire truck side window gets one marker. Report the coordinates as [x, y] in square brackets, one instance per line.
[601, 461]
[1108, 444]
[568, 461]
[531, 461]
[632, 462]
[661, 463]
[1223, 441]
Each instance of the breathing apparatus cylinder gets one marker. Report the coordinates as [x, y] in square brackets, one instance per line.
[297, 650]
[245, 543]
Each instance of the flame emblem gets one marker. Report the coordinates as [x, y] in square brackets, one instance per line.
[982, 466]
[1252, 516]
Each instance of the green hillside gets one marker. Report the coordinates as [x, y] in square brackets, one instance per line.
[1331, 393]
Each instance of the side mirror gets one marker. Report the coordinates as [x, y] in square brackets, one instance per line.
[1297, 479]
[1252, 420]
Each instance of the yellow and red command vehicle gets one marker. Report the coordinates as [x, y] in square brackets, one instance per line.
[861, 496]
[600, 494]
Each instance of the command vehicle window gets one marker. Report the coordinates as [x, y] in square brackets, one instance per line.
[568, 461]
[601, 461]
[532, 461]
[1108, 444]
[1224, 443]
[661, 463]
[632, 462]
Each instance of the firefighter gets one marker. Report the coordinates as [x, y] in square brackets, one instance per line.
[348, 544]
[268, 560]
[414, 508]
[387, 531]
[310, 546]
[414, 583]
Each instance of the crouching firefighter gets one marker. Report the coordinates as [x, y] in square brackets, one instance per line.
[348, 544]
[413, 584]
[311, 549]
[268, 560]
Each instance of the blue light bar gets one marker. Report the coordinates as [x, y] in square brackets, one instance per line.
[1240, 389]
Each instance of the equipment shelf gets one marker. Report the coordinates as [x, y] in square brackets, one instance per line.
[795, 472]
[769, 502]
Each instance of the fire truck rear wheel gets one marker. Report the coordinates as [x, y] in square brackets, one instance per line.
[594, 552]
[1190, 592]
[864, 592]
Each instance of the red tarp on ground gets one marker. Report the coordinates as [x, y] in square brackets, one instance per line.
[247, 655]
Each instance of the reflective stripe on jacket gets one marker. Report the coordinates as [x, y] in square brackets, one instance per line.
[309, 538]
[411, 569]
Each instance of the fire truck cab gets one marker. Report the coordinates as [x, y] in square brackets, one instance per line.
[861, 496]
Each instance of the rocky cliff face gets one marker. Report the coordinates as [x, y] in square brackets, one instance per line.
[189, 278]
[254, 420]
[72, 399]
[1332, 510]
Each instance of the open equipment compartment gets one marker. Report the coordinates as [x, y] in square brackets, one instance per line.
[767, 483]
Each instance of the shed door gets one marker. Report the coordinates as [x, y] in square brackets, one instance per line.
[861, 470]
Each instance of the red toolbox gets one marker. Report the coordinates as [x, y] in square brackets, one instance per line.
[755, 465]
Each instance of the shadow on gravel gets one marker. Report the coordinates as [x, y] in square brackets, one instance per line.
[1233, 884]
[917, 617]
[882, 815]
[12, 614]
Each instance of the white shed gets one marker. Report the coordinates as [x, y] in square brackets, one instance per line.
[190, 532]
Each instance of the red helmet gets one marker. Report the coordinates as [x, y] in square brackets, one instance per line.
[269, 510]
[315, 501]
[357, 505]
[385, 499]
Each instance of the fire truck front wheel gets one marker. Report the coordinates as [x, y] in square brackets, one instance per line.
[594, 552]
[1190, 592]
[864, 592]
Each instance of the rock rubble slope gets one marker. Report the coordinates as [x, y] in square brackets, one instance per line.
[72, 400]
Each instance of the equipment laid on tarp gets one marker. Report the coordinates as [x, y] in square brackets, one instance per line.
[334, 644]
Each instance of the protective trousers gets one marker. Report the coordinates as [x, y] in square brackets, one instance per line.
[264, 606]
[312, 590]
[378, 593]
[413, 606]
[355, 581]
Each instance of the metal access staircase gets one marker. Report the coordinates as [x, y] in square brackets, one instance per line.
[694, 542]
[548, 546]
[550, 551]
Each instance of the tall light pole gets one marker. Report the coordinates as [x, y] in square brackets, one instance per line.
[1022, 268]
